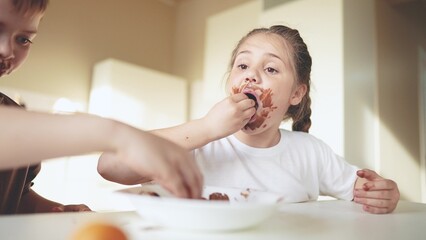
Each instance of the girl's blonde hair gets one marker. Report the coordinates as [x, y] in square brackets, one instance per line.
[301, 62]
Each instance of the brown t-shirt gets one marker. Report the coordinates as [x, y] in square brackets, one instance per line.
[15, 182]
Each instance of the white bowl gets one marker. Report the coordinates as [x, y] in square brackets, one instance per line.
[245, 208]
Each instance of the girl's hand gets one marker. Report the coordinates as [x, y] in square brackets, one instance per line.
[229, 115]
[71, 208]
[376, 194]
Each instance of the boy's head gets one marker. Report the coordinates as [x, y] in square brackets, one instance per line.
[19, 20]
[30, 6]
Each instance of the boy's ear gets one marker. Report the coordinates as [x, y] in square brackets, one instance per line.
[298, 94]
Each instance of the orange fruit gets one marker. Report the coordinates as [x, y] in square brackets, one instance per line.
[99, 231]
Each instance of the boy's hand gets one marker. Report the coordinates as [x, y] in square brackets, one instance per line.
[376, 194]
[71, 208]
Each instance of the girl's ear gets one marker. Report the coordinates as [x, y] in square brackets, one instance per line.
[298, 94]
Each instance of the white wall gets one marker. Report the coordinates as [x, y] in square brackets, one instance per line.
[223, 32]
[360, 84]
[141, 97]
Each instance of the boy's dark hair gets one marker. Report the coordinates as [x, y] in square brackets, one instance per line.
[30, 6]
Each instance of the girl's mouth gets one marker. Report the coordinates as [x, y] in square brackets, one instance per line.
[253, 97]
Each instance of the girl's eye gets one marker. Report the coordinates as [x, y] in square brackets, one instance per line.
[271, 70]
[24, 41]
[242, 66]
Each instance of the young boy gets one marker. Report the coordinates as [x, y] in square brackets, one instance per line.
[27, 138]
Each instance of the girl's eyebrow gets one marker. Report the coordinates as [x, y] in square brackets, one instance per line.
[275, 56]
[268, 54]
[242, 52]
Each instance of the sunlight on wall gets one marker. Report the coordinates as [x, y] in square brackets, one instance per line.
[409, 165]
[141, 97]
[64, 105]
[41, 102]
[422, 106]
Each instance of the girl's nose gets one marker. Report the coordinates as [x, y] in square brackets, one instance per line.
[252, 76]
[250, 79]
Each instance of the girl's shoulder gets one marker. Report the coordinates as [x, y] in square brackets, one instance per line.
[301, 138]
[297, 135]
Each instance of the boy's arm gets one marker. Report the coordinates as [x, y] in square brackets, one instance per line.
[225, 118]
[30, 137]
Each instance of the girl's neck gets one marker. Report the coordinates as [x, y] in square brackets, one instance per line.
[265, 139]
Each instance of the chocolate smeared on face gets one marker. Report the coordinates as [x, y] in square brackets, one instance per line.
[4, 67]
[264, 105]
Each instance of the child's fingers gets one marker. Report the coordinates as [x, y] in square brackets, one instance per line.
[248, 104]
[383, 201]
[242, 99]
[238, 97]
[384, 184]
[377, 206]
[358, 193]
[76, 208]
[58, 209]
[193, 178]
[368, 174]
[373, 202]
[182, 179]
[376, 210]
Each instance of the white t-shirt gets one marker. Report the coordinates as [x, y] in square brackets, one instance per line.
[300, 167]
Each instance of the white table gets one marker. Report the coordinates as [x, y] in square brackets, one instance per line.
[312, 220]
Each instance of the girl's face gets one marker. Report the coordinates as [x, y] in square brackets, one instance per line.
[263, 71]
[17, 31]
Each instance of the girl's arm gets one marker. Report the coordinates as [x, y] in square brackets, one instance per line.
[225, 118]
[30, 137]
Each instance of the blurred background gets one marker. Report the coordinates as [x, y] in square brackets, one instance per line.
[157, 63]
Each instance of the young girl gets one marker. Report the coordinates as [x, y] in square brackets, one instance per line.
[269, 82]
[27, 138]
